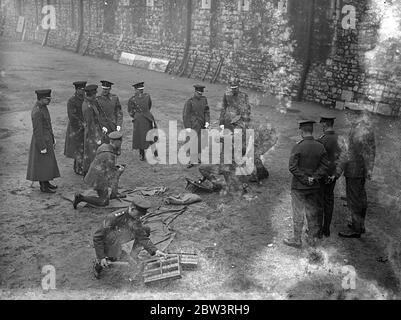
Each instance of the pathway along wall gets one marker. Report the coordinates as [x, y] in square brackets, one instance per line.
[315, 45]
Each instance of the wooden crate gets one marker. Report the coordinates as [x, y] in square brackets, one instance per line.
[160, 269]
[188, 260]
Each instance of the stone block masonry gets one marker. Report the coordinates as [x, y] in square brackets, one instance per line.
[345, 66]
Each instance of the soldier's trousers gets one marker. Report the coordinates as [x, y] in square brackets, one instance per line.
[328, 205]
[357, 202]
[101, 201]
[306, 203]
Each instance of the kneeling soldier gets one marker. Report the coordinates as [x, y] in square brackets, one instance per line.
[104, 173]
[122, 228]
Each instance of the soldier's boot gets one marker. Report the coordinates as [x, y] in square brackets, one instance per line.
[293, 242]
[117, 195]
[51, 186]
[96, 201]
[96, 269]
[77, 200]
[45, 188]
[351, 226]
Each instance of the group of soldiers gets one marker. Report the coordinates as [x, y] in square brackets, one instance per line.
[94, 138]
[316, 165]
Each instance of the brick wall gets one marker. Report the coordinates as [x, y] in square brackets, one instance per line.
[266, 47]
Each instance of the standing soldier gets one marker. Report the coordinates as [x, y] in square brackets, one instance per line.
[236, 110]
[111, 106]
[121, 228]
[42, 164]
[196, 116]
[329, 139]
[357, 164]
[95, 126]
[139, 109]
[308, 164]
[104, 173]
[74, 140]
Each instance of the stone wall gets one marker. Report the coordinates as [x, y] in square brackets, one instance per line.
[265, 46]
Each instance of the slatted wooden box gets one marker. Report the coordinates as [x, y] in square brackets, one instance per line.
[188, 260]
[160, 269]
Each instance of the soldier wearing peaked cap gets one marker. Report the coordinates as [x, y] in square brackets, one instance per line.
[357, 163]
[111, 106]
[308, 164]
[104, 173]
[74, 140]
[121, 228]
[329, 139]
[96, 126]
[196, 116]
[236, 109]
[42, 163]
[139, 106]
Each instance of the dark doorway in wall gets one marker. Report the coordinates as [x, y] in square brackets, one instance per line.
[109, 15]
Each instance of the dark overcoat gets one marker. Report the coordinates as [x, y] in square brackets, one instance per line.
[139, 109]
[195, 115]
[93, 136]
[112, 108]
[74, 139]
[42, 167]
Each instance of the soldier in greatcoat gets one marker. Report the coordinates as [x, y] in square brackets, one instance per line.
[74, 139]
[96, 127]
[42, 163]
[104, 173]
[121, 228]
[139, 107]
[111, 106]
[196, 116]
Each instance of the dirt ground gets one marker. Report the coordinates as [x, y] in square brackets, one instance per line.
[239, 239]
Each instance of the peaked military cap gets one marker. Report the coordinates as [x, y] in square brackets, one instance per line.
[141, 203]
[327, 118]
[115, 135]
[79, 84]
[44, 93]
[306, 123]
[199, 87]
[91, 87]
[106, 84]
[139, 85]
